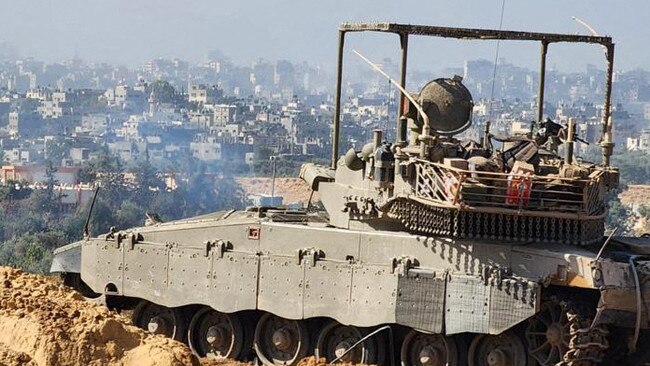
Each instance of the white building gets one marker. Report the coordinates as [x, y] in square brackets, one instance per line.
[224, 114]
[206, 148]
[640, 143]
[205, 95]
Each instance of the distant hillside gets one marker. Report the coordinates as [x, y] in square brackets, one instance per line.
[635, 195]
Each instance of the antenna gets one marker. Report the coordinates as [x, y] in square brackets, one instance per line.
[425, 118]
[90, 212]
[387, 111]
[496, 61]
[589, 28]
[606, 141]
[586, 25]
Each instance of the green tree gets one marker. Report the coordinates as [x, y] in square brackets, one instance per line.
[163, 90]
[31, 252]
[617, 215]
[57, 149]
[33, 224]
[634, 167]
[72, 226]
[14, 190]
[147, 182]
[129, 214]
[50, 203]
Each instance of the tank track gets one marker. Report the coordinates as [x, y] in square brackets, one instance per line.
[588, 345]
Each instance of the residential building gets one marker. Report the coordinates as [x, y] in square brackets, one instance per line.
[203, 94]
[206, 148]
[38, 174]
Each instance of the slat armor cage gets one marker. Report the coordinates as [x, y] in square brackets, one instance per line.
[502, 206]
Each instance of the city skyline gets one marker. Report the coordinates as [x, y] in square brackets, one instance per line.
[130, 33]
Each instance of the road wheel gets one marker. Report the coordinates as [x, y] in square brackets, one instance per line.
[279, 341]
[421, 349]
[158, 319]
[335, 339]
[505, 349]
[216, 335]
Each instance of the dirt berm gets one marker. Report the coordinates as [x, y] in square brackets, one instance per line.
[43, 323]
[48, 324]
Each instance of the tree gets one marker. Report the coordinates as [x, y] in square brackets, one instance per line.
[31, 252]
[57, 149]
[72, 227]
[147, 181]
[33, 225]
[617, 215]
[634, 167]
[14, 190]
[50, 202]
[163, 90]
[128, 215]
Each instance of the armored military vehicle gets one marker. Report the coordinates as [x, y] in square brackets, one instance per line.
[431, 250]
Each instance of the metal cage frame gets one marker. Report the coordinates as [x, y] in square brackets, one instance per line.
[406, 30]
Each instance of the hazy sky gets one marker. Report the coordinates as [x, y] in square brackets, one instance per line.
[133, 31]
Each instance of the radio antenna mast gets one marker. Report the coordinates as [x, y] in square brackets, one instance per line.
[496, 60]
[417, 105]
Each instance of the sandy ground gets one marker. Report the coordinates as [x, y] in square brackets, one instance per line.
[47, 324]
[43, 323]
[9, 357]
[310, 361]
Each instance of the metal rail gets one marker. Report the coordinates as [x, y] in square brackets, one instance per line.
[528, 192]
[639, 309]
[404, 30]
[472, 33]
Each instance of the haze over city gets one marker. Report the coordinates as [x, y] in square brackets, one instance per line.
[132, 32]
[225, 191]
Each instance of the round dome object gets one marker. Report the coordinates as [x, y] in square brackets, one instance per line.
[448, 104]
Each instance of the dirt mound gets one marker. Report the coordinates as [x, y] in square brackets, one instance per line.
[44, 323]
[208, 362]
[47, 324]
[9, 357]
[312, 361]
[309, 361]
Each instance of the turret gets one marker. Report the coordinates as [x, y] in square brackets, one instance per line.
[429, 181]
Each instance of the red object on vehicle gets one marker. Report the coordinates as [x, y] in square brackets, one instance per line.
[519, 184]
